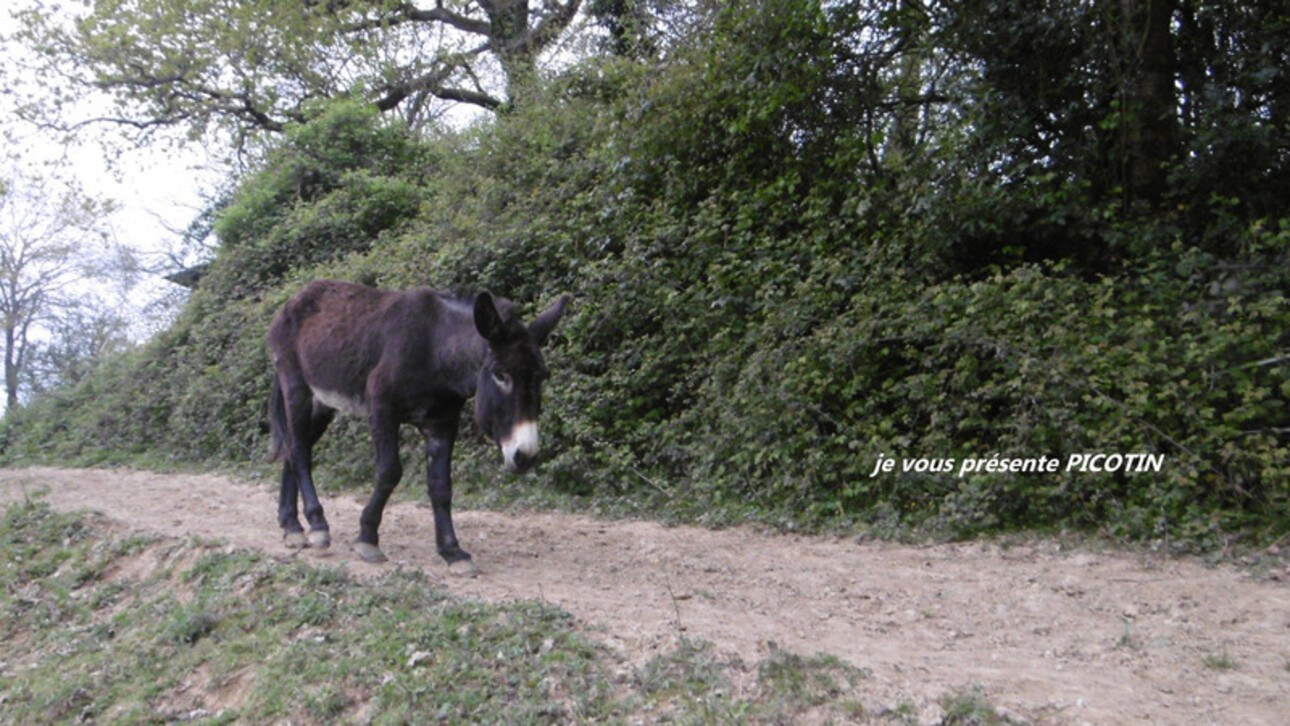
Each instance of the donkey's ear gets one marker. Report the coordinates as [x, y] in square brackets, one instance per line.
[488, 321]
[541, 327]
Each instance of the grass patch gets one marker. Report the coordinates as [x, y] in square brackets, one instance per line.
[199, 631]
[1219, 661]
[790, 681]
[971, 708]
[692, 684]
[97, 626]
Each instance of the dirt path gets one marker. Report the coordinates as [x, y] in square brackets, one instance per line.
[1061, 637]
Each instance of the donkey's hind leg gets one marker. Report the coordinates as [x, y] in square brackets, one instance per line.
[283, 446]
[307, 420]
[319, 532]
[293, 534]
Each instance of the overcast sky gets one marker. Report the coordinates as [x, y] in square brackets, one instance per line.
[158, 189]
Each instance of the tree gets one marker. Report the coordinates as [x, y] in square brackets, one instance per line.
[50, 240]
[256, 65]
[1118, 90]
[1152, 136]
[80, 337]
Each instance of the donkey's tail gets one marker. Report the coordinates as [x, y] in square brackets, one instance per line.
[277, 421]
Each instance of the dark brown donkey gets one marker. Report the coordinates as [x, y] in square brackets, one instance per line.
[400, 357]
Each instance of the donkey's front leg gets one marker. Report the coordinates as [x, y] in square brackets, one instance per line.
[385, 437]
[439, 442]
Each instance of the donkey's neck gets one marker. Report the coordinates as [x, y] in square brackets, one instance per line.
[462, 350]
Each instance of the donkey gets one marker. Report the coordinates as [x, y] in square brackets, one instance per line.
[400, 357]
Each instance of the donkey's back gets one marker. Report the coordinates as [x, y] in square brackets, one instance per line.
[334, 335]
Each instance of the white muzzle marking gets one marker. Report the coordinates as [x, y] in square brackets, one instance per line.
[523, 439]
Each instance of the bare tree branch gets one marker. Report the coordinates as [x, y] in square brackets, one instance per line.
[47, 243]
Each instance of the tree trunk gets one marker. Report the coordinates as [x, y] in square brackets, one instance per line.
[10, 369]
[1152, 131]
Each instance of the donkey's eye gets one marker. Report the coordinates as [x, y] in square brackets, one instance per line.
[503, 380]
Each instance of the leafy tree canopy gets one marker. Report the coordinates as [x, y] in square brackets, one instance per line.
[254, 65]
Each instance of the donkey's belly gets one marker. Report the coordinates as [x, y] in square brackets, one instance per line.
[341, 402]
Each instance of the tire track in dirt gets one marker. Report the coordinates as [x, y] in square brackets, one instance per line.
[1051, 635]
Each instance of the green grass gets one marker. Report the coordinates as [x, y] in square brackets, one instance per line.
[232, 635]
[1219, 661]
[970, 708]
[100, 626]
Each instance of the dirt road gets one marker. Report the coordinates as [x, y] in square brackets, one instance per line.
[1049, 634]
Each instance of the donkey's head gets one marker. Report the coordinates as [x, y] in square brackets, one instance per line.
[508, 395]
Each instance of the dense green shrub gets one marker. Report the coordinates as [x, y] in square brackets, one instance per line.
[332, 188]
[784, 266]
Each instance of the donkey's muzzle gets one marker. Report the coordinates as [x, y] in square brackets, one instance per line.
[521, 463]
[520, 447]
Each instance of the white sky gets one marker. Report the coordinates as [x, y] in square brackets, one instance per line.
[158, 189]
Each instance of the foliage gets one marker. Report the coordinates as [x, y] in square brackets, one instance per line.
[255, 66]
[79, 340]
[808, 239]
[333, 187]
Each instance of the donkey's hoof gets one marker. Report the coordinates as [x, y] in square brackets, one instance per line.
[295, 540]
[370, 552]
[463, 568]
[319, 539]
